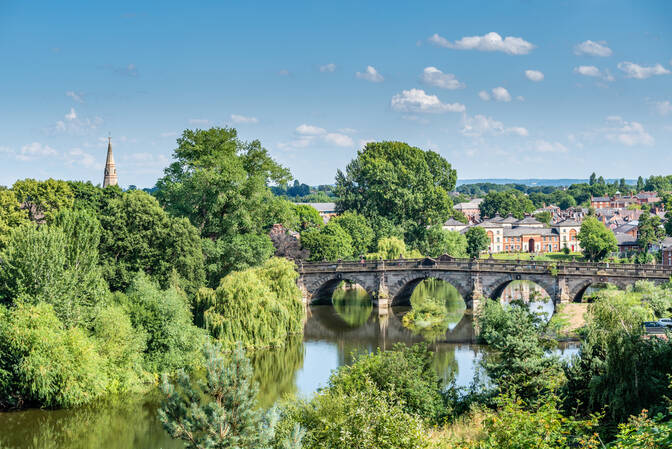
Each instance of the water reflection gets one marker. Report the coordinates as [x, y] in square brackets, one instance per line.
[436, 308]
[538, 299]
[352, 303]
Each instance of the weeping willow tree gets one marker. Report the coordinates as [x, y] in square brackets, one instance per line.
[258, 307]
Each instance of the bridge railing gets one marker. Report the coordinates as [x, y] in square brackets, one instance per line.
[588, 268]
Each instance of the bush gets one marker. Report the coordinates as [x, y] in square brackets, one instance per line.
[329, 242]
[173, 341]
[404, 373]
[257, 307]
[42, 363]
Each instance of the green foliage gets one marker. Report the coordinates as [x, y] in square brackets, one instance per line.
[642, 432]
[504, 203]
[477, 241]
[330, 242]
[121, 346]
[545, 217]
[173, 342]
[406, 373]
[404, 185]
[596, 240]
[519, 363]
[56, 264]
[43, 363]
[438, 241]
[649, 230]
[218, 411]
[365, 418]
[256, 307]
[43, 199]
[236, 253]
[356, 226]
[139, 235]
[307, 216]
[11, 215]
[391, 248]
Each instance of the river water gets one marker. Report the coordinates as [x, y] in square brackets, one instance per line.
[332, 334]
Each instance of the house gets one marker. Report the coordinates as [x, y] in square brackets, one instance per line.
[326, 210]
[470, 209]
[627, 228]
[627, 244]
[453, 225]
[600, 202]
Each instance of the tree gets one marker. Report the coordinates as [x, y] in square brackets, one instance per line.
[391, 248]
[236, 253]
[139, 235]
[220, 411]
[307, 216]
[358, 229]
[438, 241]
[596, 240]
[399, 183]
[649, 230]
[477, 241]
[544, 217]
[42, 199]
[504, 203]
[640, 184]
[56, 264]
[11, 214]
[593, 178]
[330, 242]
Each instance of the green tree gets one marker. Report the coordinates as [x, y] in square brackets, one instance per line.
[504, 203]
[438, 241]
[56, 264]
[402, 184]
[236, 253]
[173, 342]
[307, 216]
[330, 242]
[596, 240]
[391, 248]
[649, 230]
[257, 307]
[11, 215]
[640, 184]
[219, 411]
[477, 241]
[358, 229]
[139, 235]
[593, 179]
[42, 199]
[544, 217]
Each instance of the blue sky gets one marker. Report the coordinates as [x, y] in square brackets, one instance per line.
[515, 89]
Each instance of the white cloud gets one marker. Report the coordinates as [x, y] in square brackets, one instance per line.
[629, 134]
[35, 150]
[501, 94]
[283, 72]
[543, 146]
[79, 98]
[371, 74]
[79, 157]
[489, 42]
[637, 71]
[480, 125]
[416, 100]
[435, 77]
[199, 121]
[484, 95]
[71, 115]
[169, 134]
[663, 107]
[592, 48]
[614, 118]
[340, 140]
[328, 67]
[309, 130]
[534, 75]
[243, 119]
[588, 70]
[520, 98]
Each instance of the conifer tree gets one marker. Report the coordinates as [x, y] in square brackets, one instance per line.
[219, 411]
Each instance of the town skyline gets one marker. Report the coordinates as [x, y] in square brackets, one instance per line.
[558, 92]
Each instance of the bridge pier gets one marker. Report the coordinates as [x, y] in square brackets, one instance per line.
[562, 291]
[383, 295]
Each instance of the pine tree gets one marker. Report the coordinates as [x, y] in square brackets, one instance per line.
[219, 411]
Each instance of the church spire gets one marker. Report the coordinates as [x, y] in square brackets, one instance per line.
[110, 178]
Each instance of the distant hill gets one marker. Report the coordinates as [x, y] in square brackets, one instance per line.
[535, 182]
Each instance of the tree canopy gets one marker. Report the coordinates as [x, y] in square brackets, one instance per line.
[596, 240]
[504, 203]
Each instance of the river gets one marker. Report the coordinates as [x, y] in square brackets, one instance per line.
[332, 334]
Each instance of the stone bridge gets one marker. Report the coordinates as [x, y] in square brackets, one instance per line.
[391, 282]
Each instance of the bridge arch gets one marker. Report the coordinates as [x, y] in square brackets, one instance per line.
[401, 290]
[495, 287]
[322, 288]
[578, 291]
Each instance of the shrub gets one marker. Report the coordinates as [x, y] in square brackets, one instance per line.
[43, 363]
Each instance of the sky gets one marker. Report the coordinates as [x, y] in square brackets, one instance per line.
[505, 89]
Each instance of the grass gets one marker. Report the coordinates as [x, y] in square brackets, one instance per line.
[549, 257]
[568, 318]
